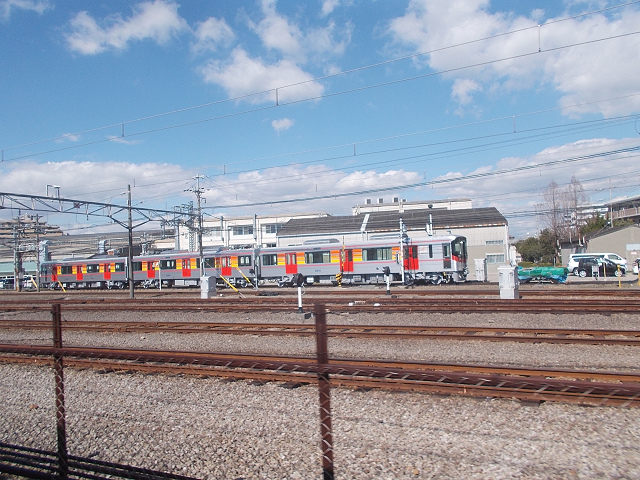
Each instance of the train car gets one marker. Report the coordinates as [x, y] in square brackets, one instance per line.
[181, 269]
[434, 260]
[97, 272]
[237, 267]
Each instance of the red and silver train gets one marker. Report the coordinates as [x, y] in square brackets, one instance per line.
[433, 260]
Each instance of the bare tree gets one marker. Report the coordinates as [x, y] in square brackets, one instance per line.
[562, 211]
[574, 197]
[554, 213]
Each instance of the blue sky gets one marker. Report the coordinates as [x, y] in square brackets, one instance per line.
[282, 101]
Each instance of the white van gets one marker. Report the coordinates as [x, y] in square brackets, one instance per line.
[574, 258]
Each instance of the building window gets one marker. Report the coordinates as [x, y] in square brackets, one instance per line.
[272, 228]
[494, 242]
[495, 258]
[242, 230]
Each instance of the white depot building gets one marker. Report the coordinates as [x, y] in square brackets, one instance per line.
[486, 229]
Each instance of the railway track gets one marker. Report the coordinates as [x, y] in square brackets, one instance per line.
[628, 290]
[525, 335]
[343, 304]
[526, 384]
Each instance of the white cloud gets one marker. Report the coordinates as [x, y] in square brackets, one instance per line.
[463, 89]
[580, 74]
[157, 20]
[282, 124]
[91, 181]
[277, 33]
[283, 35]
[38, 6]
[69, 137]
[242, 75]
[210, 34]
[328, 6]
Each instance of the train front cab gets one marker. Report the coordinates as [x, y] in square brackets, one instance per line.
[436, 261]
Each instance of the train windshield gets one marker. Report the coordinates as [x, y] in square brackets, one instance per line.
[459, 247]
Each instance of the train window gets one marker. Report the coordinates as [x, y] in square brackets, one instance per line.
[459, 248]
[269, 259]
[446, 250]
[209, 262]
[119, 267]
[66, 270]
[93, 268]
[317, 257]
[430, 251]
[244, 261]
[373, 254]
[167, 264]
[137, 266]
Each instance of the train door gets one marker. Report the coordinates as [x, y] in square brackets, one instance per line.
[411, 262]
[150, 268]
[225, 266]
[78, 271]
[106, 268]
[446, 255]
[291, 262]
[346, 260]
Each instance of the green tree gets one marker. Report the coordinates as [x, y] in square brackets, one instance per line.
[595, 223]
[540, 249]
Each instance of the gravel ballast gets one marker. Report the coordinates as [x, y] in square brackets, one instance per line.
[210, 428]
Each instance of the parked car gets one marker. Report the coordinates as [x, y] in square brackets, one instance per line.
[575, 258]
[604, 267]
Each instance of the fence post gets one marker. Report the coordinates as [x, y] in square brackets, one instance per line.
[61, 426]
[325, 393]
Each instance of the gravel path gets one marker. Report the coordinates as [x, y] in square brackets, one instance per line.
[209, 428]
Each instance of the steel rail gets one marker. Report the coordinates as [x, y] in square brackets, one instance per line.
[379, 304]
[616, 390]
[523, 335]
[604, 290]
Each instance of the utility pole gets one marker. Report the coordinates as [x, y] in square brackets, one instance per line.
[130, 255]
[199, 191]
[37, 230]
[402, 229]
[17, 258]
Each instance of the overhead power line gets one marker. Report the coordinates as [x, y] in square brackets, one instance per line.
[122, 124]
[434, 182]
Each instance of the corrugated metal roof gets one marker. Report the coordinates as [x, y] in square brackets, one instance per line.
[390, 221]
